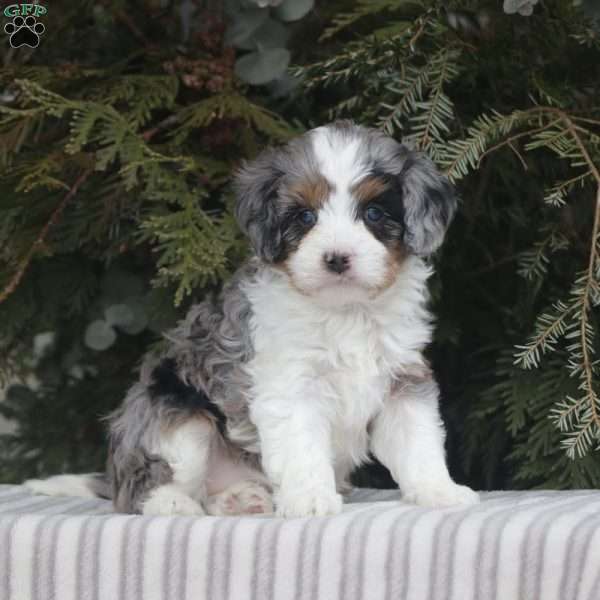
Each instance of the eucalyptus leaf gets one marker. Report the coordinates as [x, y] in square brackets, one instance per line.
[245, 23]
[99, 335]
[258, 68]
[267, 2]
[139, 323]
[120, 315]
[523, 7]
[271, 34]
[284, 85]
[292, 10]
[139, 320]
[43, 342]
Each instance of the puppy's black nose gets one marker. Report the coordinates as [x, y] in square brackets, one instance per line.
[337, 263]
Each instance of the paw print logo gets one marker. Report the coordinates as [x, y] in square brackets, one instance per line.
[24, 31]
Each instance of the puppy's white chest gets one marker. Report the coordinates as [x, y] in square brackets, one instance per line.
[353, 360]
[340, 357]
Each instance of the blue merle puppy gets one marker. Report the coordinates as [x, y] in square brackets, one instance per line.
[310, 359]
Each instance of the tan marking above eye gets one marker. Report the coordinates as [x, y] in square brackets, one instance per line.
[311, 191]
[369, 188]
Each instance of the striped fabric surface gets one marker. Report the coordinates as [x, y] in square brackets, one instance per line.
[540, 545]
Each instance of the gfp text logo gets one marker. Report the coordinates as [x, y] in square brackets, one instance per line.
[24, 29]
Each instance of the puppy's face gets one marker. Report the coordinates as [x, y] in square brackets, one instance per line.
[340, 208]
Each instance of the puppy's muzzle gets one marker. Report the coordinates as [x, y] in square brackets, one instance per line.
[336, 262]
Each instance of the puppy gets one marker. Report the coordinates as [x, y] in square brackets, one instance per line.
[311, 357]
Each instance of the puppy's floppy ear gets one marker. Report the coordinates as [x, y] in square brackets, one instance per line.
[429, 204]
[256, 210]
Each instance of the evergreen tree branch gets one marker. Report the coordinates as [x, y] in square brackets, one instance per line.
[39, 241]
[590, 280]
[555, 196]
[164, 124]
[465, 154]
[412, 43]
[363, 9]
[438, 108]
[586, 308]
[549, 328]
[509, 141]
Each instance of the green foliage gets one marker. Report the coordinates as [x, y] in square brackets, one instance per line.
[361, 10]
[493, 99]
[193, 247]
[231, 106]
[114, 210]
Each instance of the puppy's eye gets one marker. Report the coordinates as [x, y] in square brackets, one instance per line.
[374, 214]
[307, 217]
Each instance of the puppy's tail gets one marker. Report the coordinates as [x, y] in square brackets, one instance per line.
[91, 485]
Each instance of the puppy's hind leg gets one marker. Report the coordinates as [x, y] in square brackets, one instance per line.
[186, 448]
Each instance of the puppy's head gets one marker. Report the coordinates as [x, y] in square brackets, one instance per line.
[339, 209]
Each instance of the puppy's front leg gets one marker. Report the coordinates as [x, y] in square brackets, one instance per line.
[408, 438]
[295, 438]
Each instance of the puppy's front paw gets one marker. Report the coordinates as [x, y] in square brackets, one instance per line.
[308, 503]
[168, 500]
[442, 496]
[243, 498]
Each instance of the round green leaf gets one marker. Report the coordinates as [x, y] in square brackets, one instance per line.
[523, 7]
[245, 23]
[99, 335]
[284, 86]
[271, 34]
[139, 320]
[139, 323]
[258, 68]
[292, 10]
[43, 342]
[120, 315]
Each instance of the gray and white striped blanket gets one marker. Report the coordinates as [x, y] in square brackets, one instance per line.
[542, 545]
